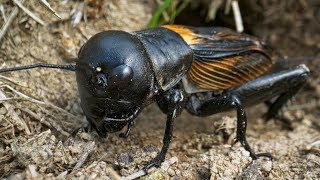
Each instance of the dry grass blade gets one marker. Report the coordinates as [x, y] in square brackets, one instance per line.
[52, 122]
[14, 81]
[14, 116]
[164, 13]
[237, 15]
[26, 10]
[213, 8]
[9, 21]
[89, 149]
[37, 101]
[316, 143]
[48, 122]
[5, 19]
[3, 14]
[47, 5]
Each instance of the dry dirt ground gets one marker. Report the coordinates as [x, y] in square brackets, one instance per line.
[40, 107]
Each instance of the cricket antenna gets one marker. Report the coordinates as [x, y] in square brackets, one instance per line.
[70, 67]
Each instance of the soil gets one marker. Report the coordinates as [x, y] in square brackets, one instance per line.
[40, 108]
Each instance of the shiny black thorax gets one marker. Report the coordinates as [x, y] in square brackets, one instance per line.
[169, 54]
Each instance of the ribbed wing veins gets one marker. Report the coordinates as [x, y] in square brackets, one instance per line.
[224, 59]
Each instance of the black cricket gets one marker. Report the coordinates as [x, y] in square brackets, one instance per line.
[202, 70]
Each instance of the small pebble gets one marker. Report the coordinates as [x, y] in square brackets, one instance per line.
[171, 172]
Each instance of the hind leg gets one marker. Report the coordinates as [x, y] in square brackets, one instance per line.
[283, 85]
[274, 108]
[227, 102]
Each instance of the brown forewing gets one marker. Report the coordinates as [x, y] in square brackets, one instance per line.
[224, 59]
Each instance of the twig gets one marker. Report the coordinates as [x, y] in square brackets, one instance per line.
[140, 173]
[31, 14]
[9, 21]
[237, 15]
[47, 6]
[90, 147]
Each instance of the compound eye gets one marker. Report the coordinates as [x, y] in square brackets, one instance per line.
[99, 80]
[121, 75]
